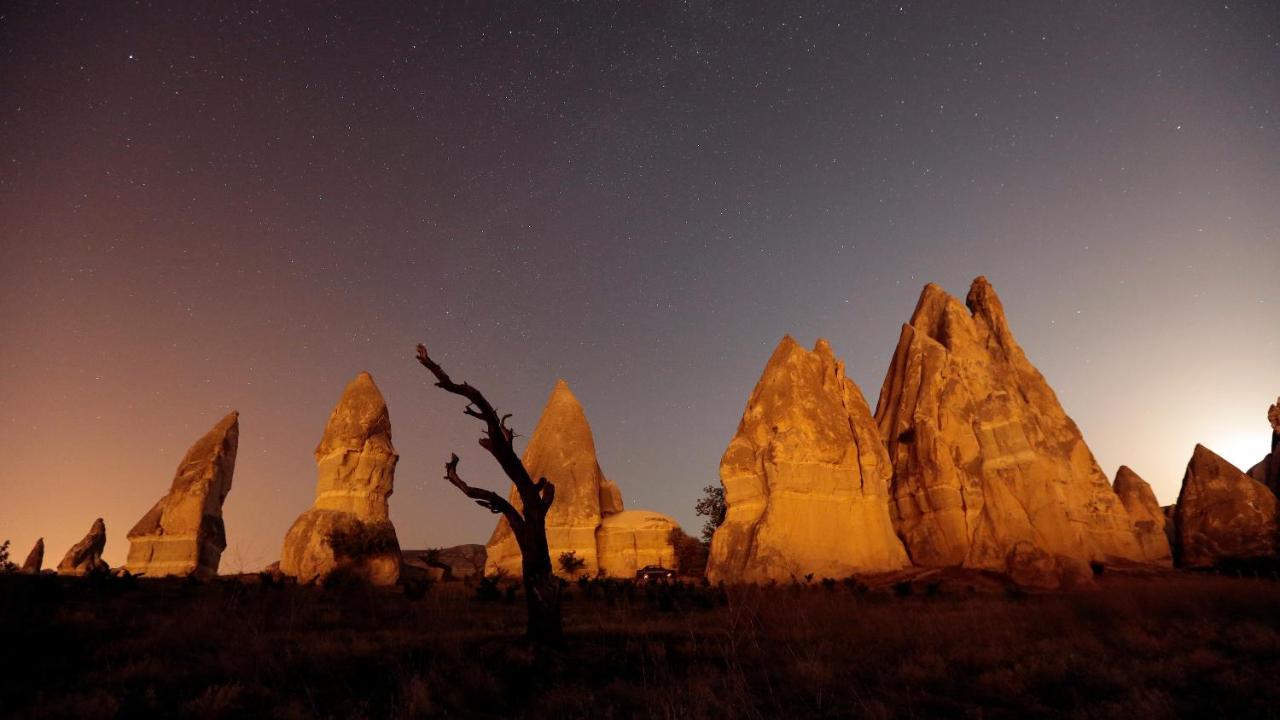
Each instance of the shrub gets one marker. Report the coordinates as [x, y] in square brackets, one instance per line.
[5, 565]
[487, 589]
[570, 563]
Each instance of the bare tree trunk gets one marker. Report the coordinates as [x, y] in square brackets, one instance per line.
[541, 586]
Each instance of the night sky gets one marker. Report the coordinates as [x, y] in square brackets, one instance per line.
[241, 206]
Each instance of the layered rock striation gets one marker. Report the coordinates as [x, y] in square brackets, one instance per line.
[85, 557]
[806, 478]
[183, 534]
[349, 527]
[587, 517]
[988, 468]
[1222, 515]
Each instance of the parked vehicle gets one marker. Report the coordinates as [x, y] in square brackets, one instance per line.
[655, 573]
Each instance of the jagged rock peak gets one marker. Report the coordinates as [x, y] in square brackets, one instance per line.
[35, 559]
[183, 533]
[86, 556]
[360, 416]
[984, 456]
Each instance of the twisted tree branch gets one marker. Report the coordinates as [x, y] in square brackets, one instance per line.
[488, 499]
[497, 439]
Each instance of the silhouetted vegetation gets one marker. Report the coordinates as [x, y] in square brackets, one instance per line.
[1183, 645]
[691, 553]
[5, 564]
[570, 563]
[713, 507]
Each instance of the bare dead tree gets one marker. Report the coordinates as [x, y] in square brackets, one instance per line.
[528, 524]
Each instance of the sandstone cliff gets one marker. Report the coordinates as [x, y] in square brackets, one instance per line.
[349, 527]
[183, 534]
[985, 460]
[806, 478]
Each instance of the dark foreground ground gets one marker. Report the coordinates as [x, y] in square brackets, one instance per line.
[1140, 647]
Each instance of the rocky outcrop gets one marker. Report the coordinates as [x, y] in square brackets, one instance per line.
[183, 534]
[349, 528]
[1148, 517]
[1222, 515]
[35, 559]
[629, 540]
[806, 478]
[1267, 471]
[563, 450]
[86, 556]
[984, 457]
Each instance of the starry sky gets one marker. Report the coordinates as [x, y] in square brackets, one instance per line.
[232, 205]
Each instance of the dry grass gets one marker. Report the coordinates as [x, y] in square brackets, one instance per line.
[1183, 645]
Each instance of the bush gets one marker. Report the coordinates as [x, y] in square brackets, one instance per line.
[5, 565]
[487, 589]
[570, 563]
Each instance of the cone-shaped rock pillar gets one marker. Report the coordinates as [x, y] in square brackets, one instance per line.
[183, 534]
[349, 527]
[35, 559]
[806, 478]
[587, 515]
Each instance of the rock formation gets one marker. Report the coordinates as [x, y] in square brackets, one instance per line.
[984, 457]
[35, 559]
[349, 528]
[1267, 472]
[86, 556]
[184, 533]
[806, 478]
[1148, 518]
[563, 450]
[629, 540]
[1222, 514]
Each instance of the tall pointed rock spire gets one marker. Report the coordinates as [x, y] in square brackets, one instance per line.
[183, 534]
[806, 478]
[349, 527]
